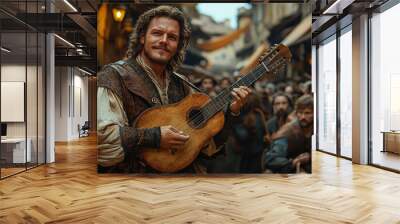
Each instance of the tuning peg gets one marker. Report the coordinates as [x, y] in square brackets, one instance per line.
[264, 57]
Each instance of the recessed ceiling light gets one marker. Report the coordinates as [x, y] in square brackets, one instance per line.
[86, 72]
[65, 41]
[70, 5]
[337, 7]
[5, 50]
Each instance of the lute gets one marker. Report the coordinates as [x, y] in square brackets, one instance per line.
[201, 117]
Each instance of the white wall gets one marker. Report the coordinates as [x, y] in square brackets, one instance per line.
[82, 82]
[70, 83]
[61, 103]
[14, 72]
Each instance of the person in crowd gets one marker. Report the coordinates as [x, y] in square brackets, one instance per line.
[289, 90]
[266, 97]
[224, 83]
[290, 150]
[307, 88]
[281, 86]
[282, 107]
[248, 134]
[208, 85]
[270, 89]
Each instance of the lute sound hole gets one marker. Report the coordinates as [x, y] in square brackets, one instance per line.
[196, 118]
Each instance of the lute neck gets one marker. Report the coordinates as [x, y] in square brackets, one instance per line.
[225, 97]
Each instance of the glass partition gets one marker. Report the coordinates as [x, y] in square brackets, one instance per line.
[22, 90]
[13, 103]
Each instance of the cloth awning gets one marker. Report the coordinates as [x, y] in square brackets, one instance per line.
[298, 32]
[222, 41]
[253, 60]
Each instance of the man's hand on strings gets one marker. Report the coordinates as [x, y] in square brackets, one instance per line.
[240, 96]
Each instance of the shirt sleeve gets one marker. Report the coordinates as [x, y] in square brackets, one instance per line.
[115, 138]
[110, 117]
[276, 158]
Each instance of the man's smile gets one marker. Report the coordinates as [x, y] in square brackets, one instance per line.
[161, 49]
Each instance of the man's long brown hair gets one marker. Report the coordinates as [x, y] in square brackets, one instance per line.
[135, 47]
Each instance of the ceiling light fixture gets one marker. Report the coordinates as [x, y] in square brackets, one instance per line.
[70, 5]
[331, 8]
[337, 7]
[65, 41]
[5, 50]
[79, 51]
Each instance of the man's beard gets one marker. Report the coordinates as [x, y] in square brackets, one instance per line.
[156, 60]
[281, 114]
[281, 117]
[305, 124]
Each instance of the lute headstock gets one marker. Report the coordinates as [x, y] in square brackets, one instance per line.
[275, 58]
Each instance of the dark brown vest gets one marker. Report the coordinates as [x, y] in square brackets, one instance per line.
[128, 80]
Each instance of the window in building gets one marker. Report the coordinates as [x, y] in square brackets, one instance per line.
[385, 88]
[346, 92]
[327, 95]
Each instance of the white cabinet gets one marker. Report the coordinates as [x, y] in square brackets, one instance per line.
[15, 148]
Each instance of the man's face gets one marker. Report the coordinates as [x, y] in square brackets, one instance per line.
[161, 40]
[207, 85]
[225, 84]
[305, 117]
[289, 90]
[281, 105]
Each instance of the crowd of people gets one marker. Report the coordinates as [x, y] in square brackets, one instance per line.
[273, 132]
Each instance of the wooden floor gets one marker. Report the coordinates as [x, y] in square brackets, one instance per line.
[70, 191]
[387, 159]
[5, 172]
[10, 171]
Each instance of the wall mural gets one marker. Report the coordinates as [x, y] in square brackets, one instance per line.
[204, 88]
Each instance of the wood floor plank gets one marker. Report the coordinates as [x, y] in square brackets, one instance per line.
[71, 191]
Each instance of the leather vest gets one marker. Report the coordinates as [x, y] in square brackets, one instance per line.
[128, 80]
